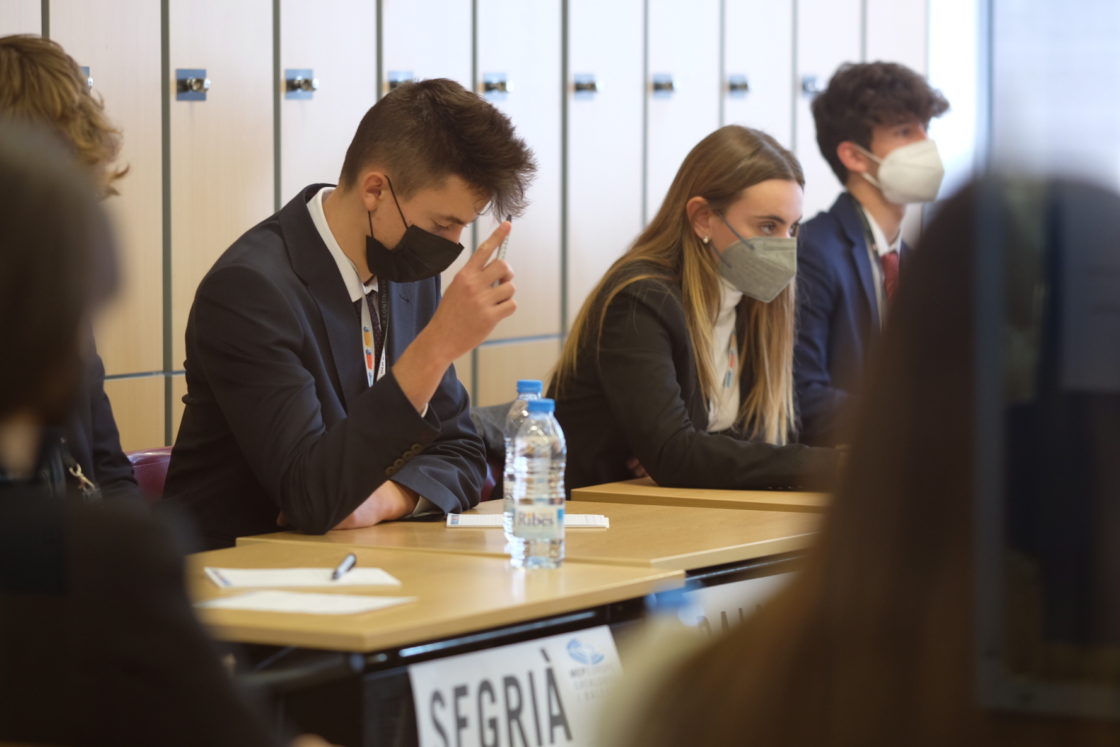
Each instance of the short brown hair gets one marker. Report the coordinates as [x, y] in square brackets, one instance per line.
[57, 264]
[424, 132]
[861, 96]
[42, 83]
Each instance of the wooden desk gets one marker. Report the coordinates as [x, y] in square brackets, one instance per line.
[654, 536]
[643, 491]
[456, 594]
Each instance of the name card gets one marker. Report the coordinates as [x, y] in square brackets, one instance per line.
[541, 692]
[714, 609]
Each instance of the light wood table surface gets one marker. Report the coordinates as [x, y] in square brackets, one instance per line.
[455, 594]
[652, 536]
[644, 491]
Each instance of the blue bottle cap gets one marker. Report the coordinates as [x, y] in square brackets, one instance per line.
[529, 386]
[541, 405]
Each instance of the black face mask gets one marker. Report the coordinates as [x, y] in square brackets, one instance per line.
[419, 254]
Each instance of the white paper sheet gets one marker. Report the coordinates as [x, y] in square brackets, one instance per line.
[495, 520]
[303, 602]
[248, 578]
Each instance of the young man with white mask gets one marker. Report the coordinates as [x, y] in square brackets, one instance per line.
[871, 128]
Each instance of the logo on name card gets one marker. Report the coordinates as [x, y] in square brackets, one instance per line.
[583, 653]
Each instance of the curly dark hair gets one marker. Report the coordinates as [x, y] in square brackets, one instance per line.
[863, 95]
[426, 131]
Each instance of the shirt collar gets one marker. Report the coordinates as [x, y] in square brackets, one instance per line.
[346, 268]
[881, 246]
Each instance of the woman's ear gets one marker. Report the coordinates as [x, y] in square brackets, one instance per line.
[699, 217]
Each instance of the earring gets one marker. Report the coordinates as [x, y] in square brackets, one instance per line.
[706, 239]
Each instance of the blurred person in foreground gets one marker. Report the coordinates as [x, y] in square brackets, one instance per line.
[44, 87]
[98, 641]
[874, 642]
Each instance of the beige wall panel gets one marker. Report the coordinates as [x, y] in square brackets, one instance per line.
[431, 39]
[138, 408]
[500, 366]
[522, 41]
[605, 40]
[122, 51]
[767, 63]
[221, 149]
[178, 391]
[21, 17]
[828, 34]
[683, 43]
[336, 40]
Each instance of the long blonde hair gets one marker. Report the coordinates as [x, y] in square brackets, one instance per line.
[718, 168]
[43, 84]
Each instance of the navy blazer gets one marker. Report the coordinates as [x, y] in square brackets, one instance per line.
[279, 416]
[837, 317]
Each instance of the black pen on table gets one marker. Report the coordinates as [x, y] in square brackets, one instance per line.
[344, 567]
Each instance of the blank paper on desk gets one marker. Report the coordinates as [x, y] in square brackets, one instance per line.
[249, 578]
[495, 520]
[303, 602]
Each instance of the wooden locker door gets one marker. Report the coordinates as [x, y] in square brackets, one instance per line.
[829, 33]
[684, 54]
[21, 17]
[500, 366]
[122, 52]
[139, 409]
[758, 54]
[520, 43]
[897, 31]
[337, 42]
[428, 40]
[221, 160]
[604, 159]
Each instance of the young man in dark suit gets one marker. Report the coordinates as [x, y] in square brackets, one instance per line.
[871, 128]
[320, 390]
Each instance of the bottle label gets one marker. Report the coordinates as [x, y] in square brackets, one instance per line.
[538, 522]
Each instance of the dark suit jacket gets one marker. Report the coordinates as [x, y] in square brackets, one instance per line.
[98, 641]
[837, 317]
[279, 416]
[92, 438]
[639, 395]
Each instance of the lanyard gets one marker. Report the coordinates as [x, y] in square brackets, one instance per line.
[373, 338]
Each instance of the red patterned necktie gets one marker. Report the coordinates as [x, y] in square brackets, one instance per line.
[890, 273]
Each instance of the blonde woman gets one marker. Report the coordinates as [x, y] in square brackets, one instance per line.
[680, 363]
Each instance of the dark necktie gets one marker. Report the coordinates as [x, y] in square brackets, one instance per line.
[889, 263]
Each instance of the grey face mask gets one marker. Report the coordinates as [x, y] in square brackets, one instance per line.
[761, 267]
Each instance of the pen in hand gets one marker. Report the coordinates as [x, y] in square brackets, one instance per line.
[344, 567]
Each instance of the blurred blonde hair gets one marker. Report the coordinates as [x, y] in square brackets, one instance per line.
[41, 83]
[718, 168]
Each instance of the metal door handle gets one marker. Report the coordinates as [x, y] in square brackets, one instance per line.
[663, 84]
[810, 85]
[585, 84]
[738, 85]
[191, 84]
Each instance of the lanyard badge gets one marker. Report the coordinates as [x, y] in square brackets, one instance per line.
[373, 337]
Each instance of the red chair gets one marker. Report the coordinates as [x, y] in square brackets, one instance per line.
[150, 468]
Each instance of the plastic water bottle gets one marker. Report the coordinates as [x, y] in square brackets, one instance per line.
[527, 391]
[540, 455]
